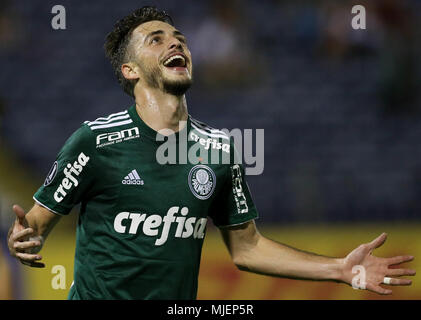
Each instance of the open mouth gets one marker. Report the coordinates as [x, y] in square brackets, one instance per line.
[176, 62]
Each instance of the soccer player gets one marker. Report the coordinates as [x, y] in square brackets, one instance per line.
[142, 223]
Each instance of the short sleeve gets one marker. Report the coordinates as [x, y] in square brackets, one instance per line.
[234, 204]
[71, 175]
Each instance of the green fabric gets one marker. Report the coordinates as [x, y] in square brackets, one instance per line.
[141, 224]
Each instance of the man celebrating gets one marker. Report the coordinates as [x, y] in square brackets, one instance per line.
[142, 223]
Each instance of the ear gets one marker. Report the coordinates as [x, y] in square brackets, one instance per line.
[130, 71]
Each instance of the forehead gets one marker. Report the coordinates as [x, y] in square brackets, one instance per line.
[145, 28]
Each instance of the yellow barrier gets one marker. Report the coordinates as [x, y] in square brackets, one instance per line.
[219, 279]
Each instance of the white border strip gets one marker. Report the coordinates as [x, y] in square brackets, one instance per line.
[237, 224]
[112, 115]
[108, 121]
[43, 205]
[220, 134]
[204, 126]
[109, 117]
[110, 125]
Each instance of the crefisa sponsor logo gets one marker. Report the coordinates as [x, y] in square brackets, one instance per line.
[210, 142]
[110, 138]
[71, 171]
[186, 227]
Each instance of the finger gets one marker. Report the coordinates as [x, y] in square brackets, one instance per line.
[378, 241]
[21, 234]
[20, 213]
[399, 282]
[28, 257]
[400, 272]
[26, 244]
[33, 264]
[377, 289]
[399, 259]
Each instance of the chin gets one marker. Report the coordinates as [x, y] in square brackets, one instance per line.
[177, 87]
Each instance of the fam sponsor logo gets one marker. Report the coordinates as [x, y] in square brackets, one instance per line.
[157, 226]
[110, 138]
[71, 171]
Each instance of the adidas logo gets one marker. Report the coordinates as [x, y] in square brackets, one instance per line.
[133, 178]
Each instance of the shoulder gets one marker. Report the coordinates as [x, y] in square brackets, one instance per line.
[109, 122]
[221, 140]
[86, 136]
[208, 131]
[105, 130]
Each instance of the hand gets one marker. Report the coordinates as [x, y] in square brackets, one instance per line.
[21, 245]
[376, 269]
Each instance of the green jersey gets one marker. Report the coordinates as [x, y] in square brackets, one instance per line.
[142, 222]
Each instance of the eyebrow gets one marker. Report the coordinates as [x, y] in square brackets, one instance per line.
[154, 33]
[178, 33]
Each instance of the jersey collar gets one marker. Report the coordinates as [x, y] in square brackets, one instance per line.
[151, 133]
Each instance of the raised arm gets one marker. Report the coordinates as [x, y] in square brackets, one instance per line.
[28, 233]
[253, 252]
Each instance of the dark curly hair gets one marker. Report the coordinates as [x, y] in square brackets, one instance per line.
[118, 39]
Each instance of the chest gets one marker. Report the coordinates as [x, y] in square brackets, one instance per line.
[137, 181]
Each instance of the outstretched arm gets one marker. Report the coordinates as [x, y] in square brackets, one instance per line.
[27, 234]
[252, 252]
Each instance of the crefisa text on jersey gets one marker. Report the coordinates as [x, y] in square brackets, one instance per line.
[69, 181]
[186, 227]
[217, 310]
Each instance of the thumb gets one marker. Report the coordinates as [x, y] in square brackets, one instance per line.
[378, 241]
[20, 213]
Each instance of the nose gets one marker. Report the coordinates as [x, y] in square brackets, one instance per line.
[175, 44]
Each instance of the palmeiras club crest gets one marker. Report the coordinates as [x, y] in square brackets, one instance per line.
[202, 181]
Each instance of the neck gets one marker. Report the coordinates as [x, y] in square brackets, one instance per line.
[160, 110]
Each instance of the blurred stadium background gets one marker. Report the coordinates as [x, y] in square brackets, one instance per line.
[341, 110]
